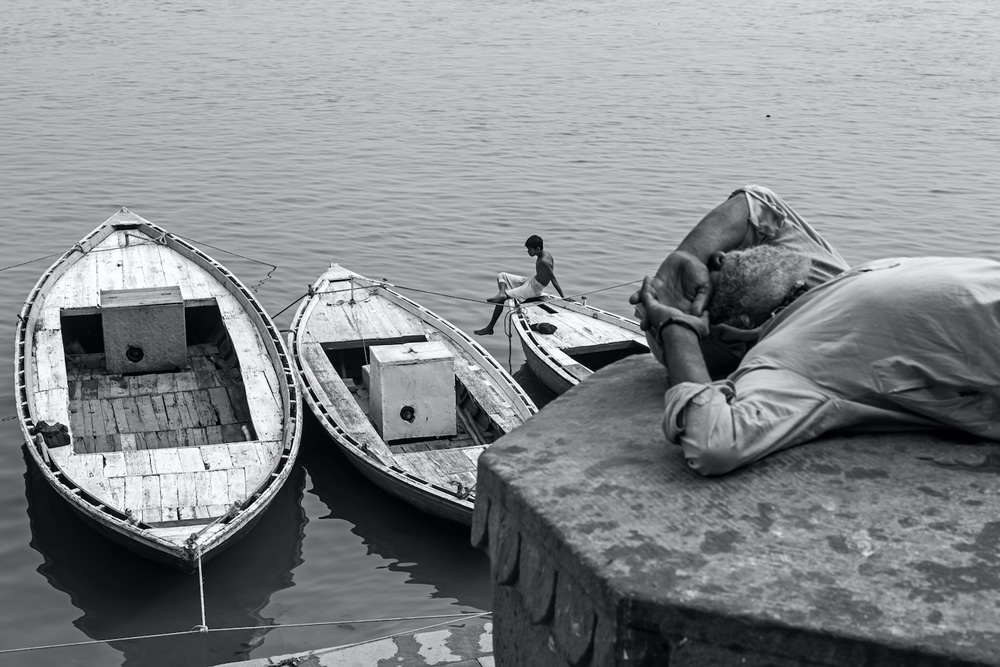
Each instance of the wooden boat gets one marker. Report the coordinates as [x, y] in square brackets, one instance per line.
[585, 339]
[411, 400]
[154, 392]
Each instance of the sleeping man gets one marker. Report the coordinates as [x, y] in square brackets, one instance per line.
[895, 344]
[770, 339]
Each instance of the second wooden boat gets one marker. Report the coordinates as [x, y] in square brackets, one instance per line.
[410, 399]
[154, 392]
[564, 341]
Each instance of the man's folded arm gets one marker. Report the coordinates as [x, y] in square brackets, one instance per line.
[721, 426]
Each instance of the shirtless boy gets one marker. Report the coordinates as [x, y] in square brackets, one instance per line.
[521, 288]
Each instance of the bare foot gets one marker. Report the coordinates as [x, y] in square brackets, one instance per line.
[499, 298]
[485, 331]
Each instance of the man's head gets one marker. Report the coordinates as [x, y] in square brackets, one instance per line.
[534, 242]
[750, 284]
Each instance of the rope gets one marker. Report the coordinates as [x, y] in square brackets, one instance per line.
[195, 630]
[290, 305]
[273, 266]
[37, 259]
[201, 594]
[463, 298]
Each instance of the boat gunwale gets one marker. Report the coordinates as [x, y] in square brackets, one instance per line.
[256, 501]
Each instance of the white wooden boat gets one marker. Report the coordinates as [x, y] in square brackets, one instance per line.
[585, 339]
[154, 392]
[411, 400]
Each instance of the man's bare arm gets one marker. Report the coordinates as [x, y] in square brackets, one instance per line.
[682, 355]
[683, 277]
[723, 229]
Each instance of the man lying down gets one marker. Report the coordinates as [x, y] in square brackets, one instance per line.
[894, 344]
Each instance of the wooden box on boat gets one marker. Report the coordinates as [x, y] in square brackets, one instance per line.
[412, 390]
[144, 329]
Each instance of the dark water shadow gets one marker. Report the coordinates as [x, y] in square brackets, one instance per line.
[538, 392]
[431, 551]
[122, 594]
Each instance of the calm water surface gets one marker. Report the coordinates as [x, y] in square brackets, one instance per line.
[423, 142]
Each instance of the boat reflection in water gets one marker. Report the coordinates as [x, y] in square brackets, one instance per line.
[123, 595]
[432, 552]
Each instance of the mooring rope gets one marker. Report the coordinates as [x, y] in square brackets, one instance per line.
[30, 261]
[197, 630]
[201, 595]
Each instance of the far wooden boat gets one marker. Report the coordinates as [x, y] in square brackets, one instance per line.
[585, 339]
[154, 392]
[411, 400]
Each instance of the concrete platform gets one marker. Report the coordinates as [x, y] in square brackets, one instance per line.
[857, 550]
[464, 644]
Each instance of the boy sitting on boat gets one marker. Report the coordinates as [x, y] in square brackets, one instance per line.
[520, 288]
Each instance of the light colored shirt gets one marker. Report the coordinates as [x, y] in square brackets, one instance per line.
[895, 344]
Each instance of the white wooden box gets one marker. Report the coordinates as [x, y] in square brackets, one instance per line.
[412, 390]
[144, 330]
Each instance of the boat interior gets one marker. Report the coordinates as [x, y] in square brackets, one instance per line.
[201, 401]
[607, 354]
[595, 345]
[475, 425]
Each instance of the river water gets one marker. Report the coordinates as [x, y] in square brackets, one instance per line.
[422, 142]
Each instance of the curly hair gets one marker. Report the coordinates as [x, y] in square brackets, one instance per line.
[754, 282]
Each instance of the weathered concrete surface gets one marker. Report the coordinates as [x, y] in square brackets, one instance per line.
[857, 550]
[467, 645]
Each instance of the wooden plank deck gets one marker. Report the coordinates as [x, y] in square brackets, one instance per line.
[169, 485]
[113, 264]
[579, 332]
[184, 414]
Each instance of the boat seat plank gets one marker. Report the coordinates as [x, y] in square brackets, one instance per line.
[138, 462]
[151, 491]
[571, 365]
[133, 493]
[168, 490]
[51, 406]
[473, 453]
[450, 460]
[166, 461]
[368, 325]
[114, 464]
[216, 457]
[476, 380]
[330, 321]
[420, 465]
[50, 360]
[349, 415]
[187, 495]
[110, 275]
[237, 485]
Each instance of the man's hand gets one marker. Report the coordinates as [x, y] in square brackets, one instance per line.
[682, 282]
[656, 313]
